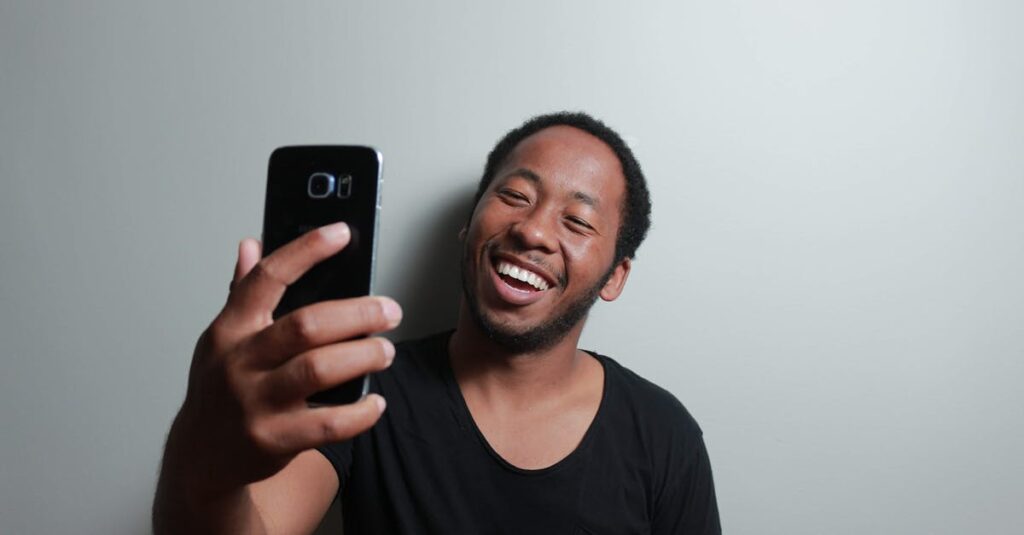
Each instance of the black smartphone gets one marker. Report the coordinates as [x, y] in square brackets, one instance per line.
[312, 186]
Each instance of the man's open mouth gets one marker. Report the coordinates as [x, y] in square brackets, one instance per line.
[519, 277]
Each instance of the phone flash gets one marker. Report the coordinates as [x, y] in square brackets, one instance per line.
[344, 186]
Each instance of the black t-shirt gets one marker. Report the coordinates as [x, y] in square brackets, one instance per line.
[426, 468]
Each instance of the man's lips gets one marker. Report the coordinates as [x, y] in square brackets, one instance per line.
[526, 291]
[512, 295]
[527, 272]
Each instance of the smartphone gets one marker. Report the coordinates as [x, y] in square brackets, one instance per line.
[312, 186]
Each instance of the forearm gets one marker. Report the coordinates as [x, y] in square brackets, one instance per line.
[188, 500]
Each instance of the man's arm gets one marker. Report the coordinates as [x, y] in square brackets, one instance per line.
[239, 456]
[688, 504]
[296, 499]
[292, 501]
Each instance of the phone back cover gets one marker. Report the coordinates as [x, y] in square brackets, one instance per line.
[290, 211]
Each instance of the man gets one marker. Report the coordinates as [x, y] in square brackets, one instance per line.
[500, 426]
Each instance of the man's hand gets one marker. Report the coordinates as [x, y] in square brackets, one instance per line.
[245, 415]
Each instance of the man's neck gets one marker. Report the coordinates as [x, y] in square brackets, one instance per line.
[514, 378]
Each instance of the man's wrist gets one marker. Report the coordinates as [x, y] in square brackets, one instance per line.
[192, 495]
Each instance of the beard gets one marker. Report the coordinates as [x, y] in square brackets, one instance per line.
[535, 338]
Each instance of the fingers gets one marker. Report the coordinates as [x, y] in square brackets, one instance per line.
[259, 291]
[325, 367]
[321, 324]
[248, 254]
[293, 432]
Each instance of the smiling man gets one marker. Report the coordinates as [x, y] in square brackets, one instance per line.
[502, 425]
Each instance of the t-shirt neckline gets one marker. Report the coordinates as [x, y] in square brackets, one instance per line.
[466, 417]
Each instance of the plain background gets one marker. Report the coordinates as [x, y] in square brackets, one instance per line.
[832, 284]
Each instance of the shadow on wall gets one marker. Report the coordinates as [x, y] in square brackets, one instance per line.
[429, 287]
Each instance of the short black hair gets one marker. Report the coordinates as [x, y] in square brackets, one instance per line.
[636, 209]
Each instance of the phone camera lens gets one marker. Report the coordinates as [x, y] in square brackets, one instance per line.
[320, 185]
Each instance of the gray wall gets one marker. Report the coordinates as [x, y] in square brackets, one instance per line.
[832, 284]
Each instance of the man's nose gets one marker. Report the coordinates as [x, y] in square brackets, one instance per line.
[536, 231]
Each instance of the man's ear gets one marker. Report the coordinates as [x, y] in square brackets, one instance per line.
[462, 234]
[617, 281]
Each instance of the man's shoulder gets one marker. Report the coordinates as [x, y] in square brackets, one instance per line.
[653, 408]
[428, 350]
[430, 343]
[419, 363]
[682, 492]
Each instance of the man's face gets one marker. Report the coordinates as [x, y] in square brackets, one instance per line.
[540, 246]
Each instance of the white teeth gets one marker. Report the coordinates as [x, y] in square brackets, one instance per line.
[524, 275]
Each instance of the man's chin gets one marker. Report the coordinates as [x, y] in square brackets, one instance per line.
[518, 339]
[526, 338]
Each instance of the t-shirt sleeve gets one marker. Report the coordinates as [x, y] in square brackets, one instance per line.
[686, 503]
[340, 456]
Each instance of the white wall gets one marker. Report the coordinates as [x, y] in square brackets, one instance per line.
[832, 284]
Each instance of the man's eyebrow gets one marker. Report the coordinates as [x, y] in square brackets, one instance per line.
[586, 199]
[580, 196]
[525, 173]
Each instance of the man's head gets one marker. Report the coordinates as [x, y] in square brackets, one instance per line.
[636, 209]
[560, 210]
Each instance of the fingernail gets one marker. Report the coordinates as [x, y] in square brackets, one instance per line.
[389, 352]
[381, 404]
[392, 311]
[335, 231]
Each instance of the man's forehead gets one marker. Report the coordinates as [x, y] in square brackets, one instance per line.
[564, 152]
